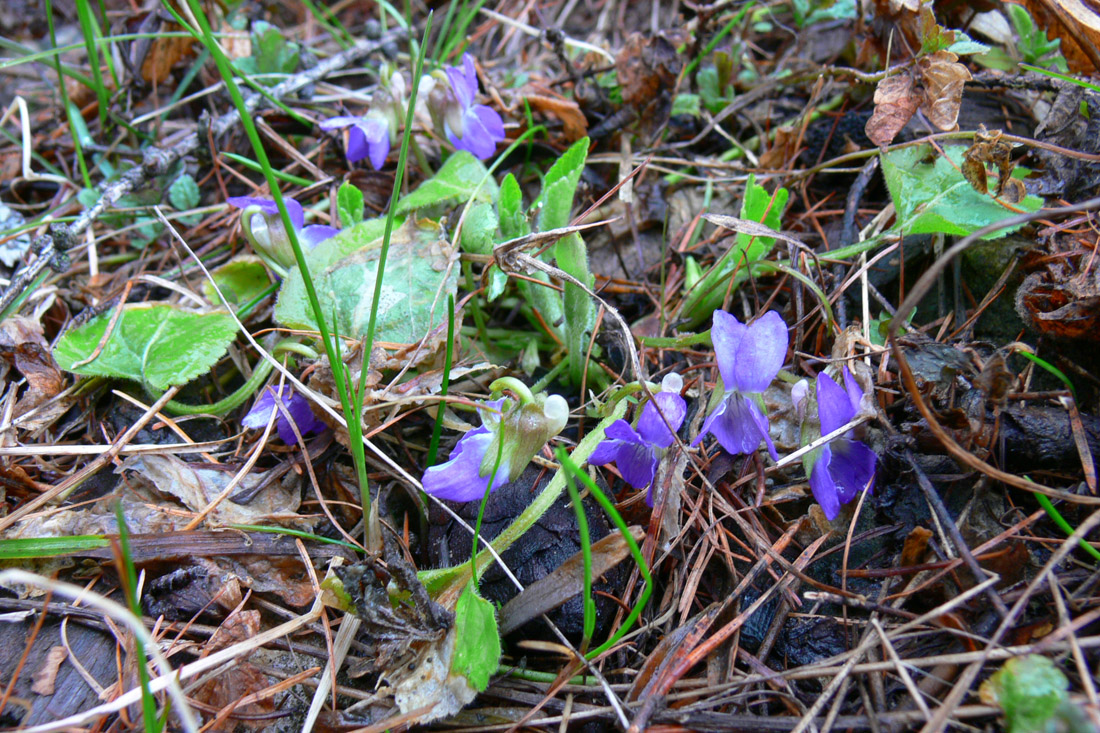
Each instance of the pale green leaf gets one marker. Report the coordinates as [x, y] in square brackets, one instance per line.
[241, 279]
[157, 344]
[931, 196]
[478, 229]
[349, 205]
[477, 642]
[1029, 689]
[513, 222]
[183, 194]
[420, 272]
[556, 200]
[453, 185]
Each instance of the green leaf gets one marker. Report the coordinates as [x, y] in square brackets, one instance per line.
[452, 186]
[477, 642]
[964, 45]
[349, 205]
[241, 280]
[32, 547]
[478, 229]
[1029, 689]
[157, 344]
[709, 292]
[183, 194]
[931, 196]
[759, 205]
[497, 281]
[555, 202]
[513, 222]
[686, 104]
[420, 266]
[272, 53]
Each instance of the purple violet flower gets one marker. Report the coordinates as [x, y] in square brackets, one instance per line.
[638, 452]
[472, 127]
[369, 137]
[845, 466]
[459, 478]
[748, 358]
[522, 429]
[264, 227]
[296, 406]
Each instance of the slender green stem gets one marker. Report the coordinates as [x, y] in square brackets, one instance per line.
[572, 468]
[90, 30]
[148, 701]
[65, 100]
[230, 402]
[1065, 526]
[433, 447]
[519, 388]
[481, 512]
[586, 552]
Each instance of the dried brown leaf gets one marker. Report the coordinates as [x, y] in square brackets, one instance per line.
[943, 78]
[44, 678]
[575, 125]
[645, 67]
[895, 104]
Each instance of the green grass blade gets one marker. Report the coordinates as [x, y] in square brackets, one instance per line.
[90, 29]
[572, 469]
[586, 553]
[433, 447]
[352, 417]
[1065, 526]
[402, 160]
[34, 547]
[129, 587]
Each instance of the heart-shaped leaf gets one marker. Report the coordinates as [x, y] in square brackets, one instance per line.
[931, 196]
[158, 344]
[454, 184]
[477, 642]
[418, 269]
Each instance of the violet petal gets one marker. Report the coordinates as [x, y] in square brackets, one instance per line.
[823, 485]
[740, 427]
[650, 425]
[833, 406]
[314, 234]
[260, 413]
[726, 333]
[851, 386]
[760, 354]
[458, 479]
[633, 455]
[852, 468]
[490, 120]
[297, 409]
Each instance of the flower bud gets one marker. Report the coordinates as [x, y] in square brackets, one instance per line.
[267, 235]
[523, 431]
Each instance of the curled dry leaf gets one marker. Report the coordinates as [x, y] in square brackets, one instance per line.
[896, 102]
[646, 66]
[568, 111]
[46, 675]
[943, 78]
